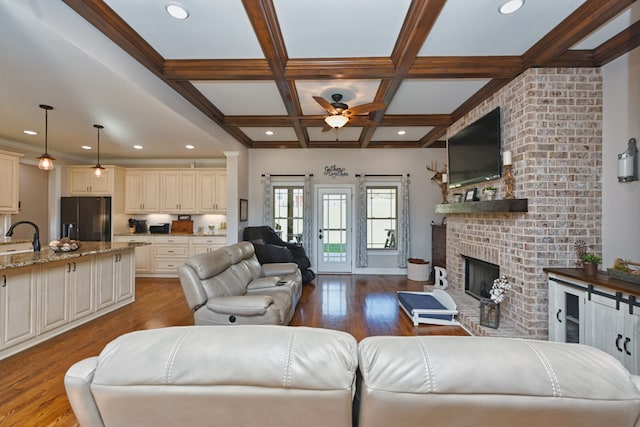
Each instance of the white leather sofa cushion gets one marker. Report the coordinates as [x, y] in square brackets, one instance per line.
[215, 375]
[474, 381]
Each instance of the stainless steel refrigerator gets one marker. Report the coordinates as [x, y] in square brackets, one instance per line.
[86, 219]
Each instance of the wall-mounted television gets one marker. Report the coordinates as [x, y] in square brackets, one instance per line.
[475, 152]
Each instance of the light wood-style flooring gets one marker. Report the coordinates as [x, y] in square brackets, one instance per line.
[31, 382]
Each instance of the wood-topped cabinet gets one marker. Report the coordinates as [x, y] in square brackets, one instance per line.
[596, 311]
[9, 182]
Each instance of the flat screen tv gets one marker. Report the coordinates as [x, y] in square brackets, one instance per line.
[475, 152]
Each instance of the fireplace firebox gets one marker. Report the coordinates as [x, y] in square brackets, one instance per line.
[479, 276]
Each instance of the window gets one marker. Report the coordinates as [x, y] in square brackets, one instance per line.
[288, 204]
[382, 217]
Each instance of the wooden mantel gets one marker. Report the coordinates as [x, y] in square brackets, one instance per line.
[484, 206]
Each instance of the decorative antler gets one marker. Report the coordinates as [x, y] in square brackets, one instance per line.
[437, 178]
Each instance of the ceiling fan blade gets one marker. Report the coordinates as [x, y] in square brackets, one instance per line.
[326, 128]
[325, 104]
[364, 108]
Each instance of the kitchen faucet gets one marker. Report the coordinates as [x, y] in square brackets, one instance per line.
[36, 235]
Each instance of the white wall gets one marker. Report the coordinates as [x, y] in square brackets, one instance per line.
[424, 194]
[621, 121]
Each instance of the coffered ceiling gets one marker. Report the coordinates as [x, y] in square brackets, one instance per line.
[245, 72]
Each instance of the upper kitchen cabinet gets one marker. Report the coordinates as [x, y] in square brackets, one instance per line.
[9, 182]
[142, 190]
[212, 192]
[178, 191]
[81, 181]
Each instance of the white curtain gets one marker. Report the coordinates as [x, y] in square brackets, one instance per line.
[404, 232]
[267, 205]
[307, 221]
[361, 244]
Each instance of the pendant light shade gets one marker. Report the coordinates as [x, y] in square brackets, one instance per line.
[45, 161]
[97, 169]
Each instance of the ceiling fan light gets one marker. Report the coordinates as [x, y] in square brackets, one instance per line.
[510, 6]
[336, 121]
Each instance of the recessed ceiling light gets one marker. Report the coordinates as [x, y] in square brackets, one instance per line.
[510, 6]
[138, 147]
[86, 147]
[189, 147]
[177, 11]
[402, 132]
[30, 132]
[269, 132]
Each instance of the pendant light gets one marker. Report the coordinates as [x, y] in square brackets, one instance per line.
[45, 161]
[97, 169]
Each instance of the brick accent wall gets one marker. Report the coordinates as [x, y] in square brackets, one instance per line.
[552, 124]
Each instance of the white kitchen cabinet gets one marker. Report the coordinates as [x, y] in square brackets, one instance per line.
[124, 273]
[566, 311]
[613, 328]
[81, 181]
[142, 191]
[204, 244]
[178, 191]
[54, 295]
[144, 254]
[18, 302]
[170, 252]
[212, 191]
[9, 182]
[65, 292]
[105, 280]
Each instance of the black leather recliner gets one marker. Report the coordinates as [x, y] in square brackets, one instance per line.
[269, 248]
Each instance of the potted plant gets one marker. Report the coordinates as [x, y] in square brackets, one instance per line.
[590, 262]
[489, 192]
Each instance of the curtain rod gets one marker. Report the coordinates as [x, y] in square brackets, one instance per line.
[358, 175]
[288, 175]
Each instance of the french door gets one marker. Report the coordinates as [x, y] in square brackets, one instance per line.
[334, 230]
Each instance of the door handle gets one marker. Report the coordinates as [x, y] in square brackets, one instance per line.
[558, 315]
[626, 350]
[618, 342]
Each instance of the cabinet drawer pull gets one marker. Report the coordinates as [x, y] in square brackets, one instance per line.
[4, 281]
[558, 315]
[626, 350]
[618, 342]
[68, 267]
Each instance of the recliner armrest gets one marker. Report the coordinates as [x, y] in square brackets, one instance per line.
[246, 305]
[279, 268]
[263, 282]
[77, 383]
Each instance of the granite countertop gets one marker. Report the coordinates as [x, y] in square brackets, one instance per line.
[26, 259]
[13, 242]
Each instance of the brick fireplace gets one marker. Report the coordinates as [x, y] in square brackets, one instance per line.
[552, 124]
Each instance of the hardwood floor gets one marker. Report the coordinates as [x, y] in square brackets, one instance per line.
[32, 381]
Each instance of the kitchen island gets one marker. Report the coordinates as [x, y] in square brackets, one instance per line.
[43, 294]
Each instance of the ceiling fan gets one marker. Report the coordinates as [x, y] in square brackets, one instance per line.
[340, 113]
